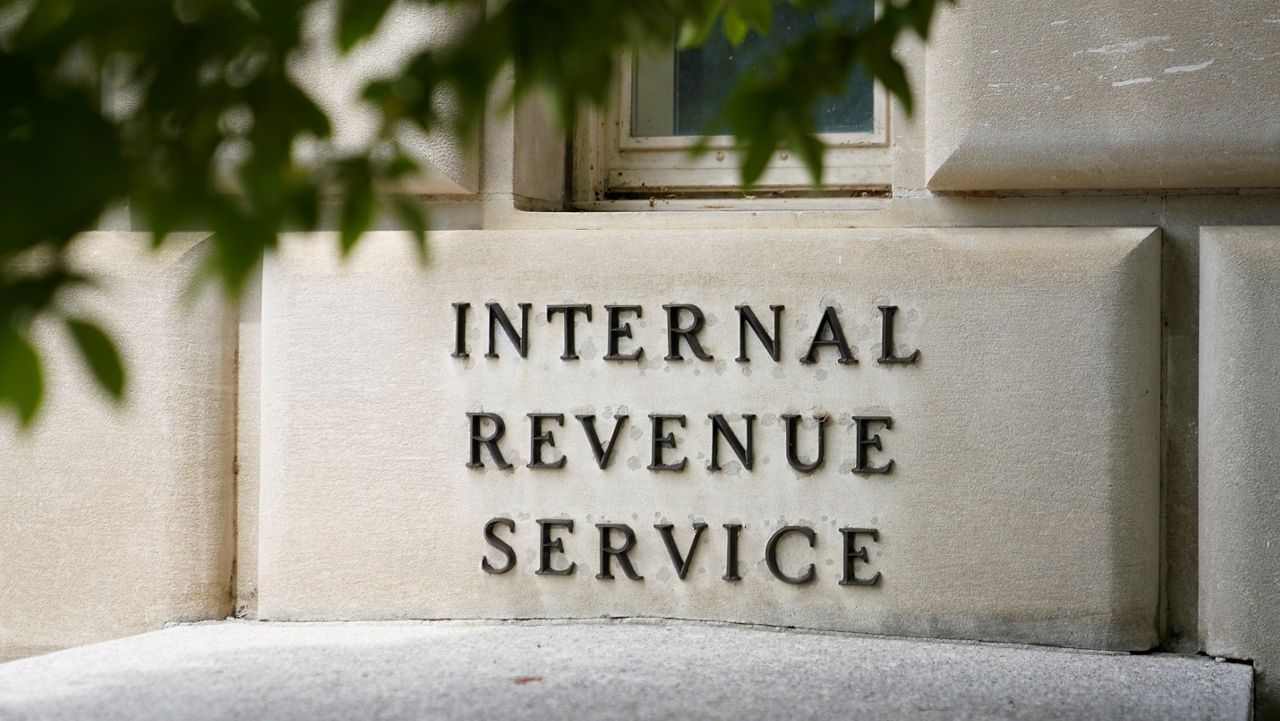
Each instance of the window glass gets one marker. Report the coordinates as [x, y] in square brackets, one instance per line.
[677, 92]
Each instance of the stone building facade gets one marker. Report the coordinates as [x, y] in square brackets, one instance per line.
[1078, 230]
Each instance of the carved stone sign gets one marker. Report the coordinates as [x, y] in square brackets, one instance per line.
[911, 432]
[685, 324]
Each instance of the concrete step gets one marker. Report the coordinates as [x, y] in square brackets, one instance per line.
[599, 670]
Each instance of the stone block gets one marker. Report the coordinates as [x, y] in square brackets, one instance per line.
[1239, 456]
[248, 436]
[600, 670]
[1103, 94]
[118, 520]
[1021, 505]
[335, 80]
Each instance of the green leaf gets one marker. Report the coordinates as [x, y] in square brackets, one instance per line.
[413, 219]
[100, 353]
[758, 154]
[757, 13]
[695, 30]
[884, 67]
[810, 150]
[41, 19]
[359, 18]
[357, 209]
[921, 12]
[21, 383]
[735, 28]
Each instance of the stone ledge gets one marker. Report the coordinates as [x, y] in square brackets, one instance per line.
[599, 669]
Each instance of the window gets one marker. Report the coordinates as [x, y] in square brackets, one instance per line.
[637, 148]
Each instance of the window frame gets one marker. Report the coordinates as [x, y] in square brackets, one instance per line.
[611, 166]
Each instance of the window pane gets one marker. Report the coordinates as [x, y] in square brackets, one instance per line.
[682, 97]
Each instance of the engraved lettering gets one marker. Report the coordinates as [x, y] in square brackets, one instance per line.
[460, 330]
[772, 343]
[689, 334]
[602, 452]
[491, 537]
[661, 442]
[619, 330]
[793, 454]
[720, 428]
[862, 464]
[608, 551]
[771, 554]
[829, 333]
[571, 312]
[731, 551]
[887, 313]
[853, 553]
[548, 545]
[490, 441]
[538, 438]
[681, 563]
[498, 317]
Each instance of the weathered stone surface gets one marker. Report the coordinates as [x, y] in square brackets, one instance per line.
[1239, 456]
[595, 670]
[1022, 505]
[335, 81]
[117, 521]
[1104, 94]
[248, 452]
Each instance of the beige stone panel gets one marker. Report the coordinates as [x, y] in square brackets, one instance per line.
[1239, 456]
[334, 81]
[118, 520]
[1104, 94]
[1023, 504]
[537, 157]
[248, 436]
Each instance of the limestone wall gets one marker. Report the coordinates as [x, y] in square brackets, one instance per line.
[1139, 377]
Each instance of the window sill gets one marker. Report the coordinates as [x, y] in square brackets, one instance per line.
[862, 201]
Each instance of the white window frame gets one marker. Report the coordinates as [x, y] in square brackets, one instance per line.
[613, 169]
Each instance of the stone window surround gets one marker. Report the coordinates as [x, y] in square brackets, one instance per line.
[607, 160]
